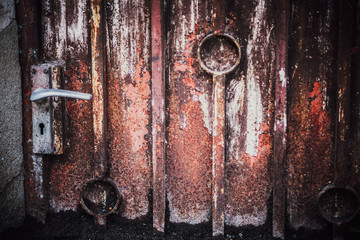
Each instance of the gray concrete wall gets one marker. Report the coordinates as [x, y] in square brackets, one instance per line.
[12, 204]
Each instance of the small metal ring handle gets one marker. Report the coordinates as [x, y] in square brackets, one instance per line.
[44, 93]
[231, 64]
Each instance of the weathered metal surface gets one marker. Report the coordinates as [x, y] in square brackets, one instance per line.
[280, 121]
[98, 87]
[123, 69]
[65, 37]
[158, 114]
[188, 162]
[129, 102]
[29, 26]
[312, 63]
[249, 114]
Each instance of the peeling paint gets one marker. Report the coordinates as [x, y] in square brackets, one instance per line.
[205, 107]
[233, 113]
[38, 171]
[256, 219]
[253, 94]
[75, 31]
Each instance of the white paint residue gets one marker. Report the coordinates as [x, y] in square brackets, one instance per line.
[256, 219]
[60, 206]
[194, 11]
[234, 110]
[254, 108]
[61, 35]
[191, 216]
[205, 107]
[285, 126]
[77, 32]
[283, 78]
[38, 170]
[124, 35]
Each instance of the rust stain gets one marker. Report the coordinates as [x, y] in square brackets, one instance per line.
[310, 148]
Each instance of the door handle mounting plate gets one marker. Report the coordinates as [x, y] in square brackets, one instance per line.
[47, 115]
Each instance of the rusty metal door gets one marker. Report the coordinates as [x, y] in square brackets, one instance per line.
[150, 128]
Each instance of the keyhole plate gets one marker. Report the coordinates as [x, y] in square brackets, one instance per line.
[338, 204]
[47, 120]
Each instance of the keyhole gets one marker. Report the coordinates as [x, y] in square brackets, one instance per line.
[41, 126]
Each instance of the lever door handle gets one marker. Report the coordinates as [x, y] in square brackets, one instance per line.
[44, 93]
[48, 107]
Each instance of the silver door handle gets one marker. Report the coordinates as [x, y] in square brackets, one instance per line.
[44, 93]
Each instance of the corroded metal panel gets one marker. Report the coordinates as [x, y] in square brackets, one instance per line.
[312, 62]
[249, 113]
[188, 163]
[66, 37]
[129, 102]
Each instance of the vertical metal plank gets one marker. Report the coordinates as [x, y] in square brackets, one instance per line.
[66, 37]
[158, 115]
[280, 123]
[27, 13]
[97, 73]
[249, 113]
[312, 63]
[218, 154]
[129, 102]
[188, 159]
